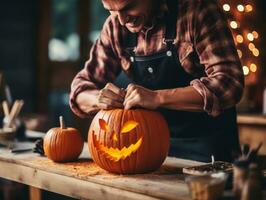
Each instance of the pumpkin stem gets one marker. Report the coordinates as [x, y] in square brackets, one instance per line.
[62, 123]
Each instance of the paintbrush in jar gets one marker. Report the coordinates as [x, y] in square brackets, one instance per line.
[5, 108]
[15, 110]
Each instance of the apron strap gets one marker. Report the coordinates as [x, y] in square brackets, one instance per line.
[170, 23]
[131, 42]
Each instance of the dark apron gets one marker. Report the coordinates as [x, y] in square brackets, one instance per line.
[194, 135]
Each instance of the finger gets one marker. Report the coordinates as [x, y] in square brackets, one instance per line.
[104, 106]
[111, 95]
[111, 102]
[130, 88]
[115, 89]
[133, 95]
[123, 92]
[131, 103]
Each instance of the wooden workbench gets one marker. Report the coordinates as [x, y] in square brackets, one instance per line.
[84, 180]
[252, 130]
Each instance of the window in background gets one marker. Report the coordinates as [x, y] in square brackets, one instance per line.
[98, 16]
[64, 41]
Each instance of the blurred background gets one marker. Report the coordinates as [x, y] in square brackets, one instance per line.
[44, 43]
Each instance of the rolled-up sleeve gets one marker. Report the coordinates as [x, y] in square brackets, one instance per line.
[223, 84]
[102, 67]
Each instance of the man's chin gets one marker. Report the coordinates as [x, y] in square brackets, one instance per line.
[134, 29]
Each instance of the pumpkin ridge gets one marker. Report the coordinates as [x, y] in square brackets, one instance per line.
[146, 148]
[121, 139]
[136, 136]
[102, 132]
[112, 113]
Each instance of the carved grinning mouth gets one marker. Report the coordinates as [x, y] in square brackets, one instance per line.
[116, 154]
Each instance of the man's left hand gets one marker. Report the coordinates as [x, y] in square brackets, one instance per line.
[140, 96]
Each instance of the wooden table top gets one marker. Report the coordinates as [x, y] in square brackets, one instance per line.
[85, 180]
[251, 119]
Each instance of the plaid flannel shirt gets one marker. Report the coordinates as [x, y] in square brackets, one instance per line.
[205, 49]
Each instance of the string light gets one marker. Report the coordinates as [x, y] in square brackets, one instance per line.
[251, 46]
[233, 24]
[244, 37]
[240, 8]
[245, 70]
[226, 7]
[239, 52]
[256, 52]
[250, 37]
[255, 34]
[253, 67]
[239, 38]
[248, 8]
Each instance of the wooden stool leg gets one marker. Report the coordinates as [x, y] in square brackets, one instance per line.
[35, 193]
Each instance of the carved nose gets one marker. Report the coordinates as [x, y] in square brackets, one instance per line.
[114, 136]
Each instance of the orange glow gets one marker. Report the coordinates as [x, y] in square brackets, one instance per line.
[256, 52]
[114, 137]
[226, 7]
[116, 154]
[255, 34]
[250, 37]
[239, 52]
[251, 46]
[104, 126]
[233, 24]
[128, 126]
[240, 8]
[239, 38]
[245, 70]
[248, 8]
[253, 67]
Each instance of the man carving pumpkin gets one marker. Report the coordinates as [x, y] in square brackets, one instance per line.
[174, 56]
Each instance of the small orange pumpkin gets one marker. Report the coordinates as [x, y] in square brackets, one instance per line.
[63, 144]
[129, 141]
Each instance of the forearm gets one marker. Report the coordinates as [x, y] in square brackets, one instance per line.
[87, 101]
[185, 99]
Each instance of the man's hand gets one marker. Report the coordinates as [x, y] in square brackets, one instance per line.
[111, 97]
[140, 96]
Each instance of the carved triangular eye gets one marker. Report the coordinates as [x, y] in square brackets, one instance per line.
[128, 126]
[104, 126]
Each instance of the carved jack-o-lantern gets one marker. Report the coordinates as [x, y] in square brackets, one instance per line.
[128, 141]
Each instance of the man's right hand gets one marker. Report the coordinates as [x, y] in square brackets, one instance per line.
[111, 96]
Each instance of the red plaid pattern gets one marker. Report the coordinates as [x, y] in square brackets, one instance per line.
[205, 48]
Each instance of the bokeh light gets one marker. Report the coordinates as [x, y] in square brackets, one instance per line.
[240, 8]
[239, 38]
[226, 7]
[250, 37]
[255, 34]
[245, 70]
[256, 52]
[253, 67]
[240, 54]
[251, 46]
[248, 8]
[233, 24]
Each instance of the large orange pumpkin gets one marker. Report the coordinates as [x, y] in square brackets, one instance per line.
[63, 144]
[128, 141]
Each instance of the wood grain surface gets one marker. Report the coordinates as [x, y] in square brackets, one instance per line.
[83, 179]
